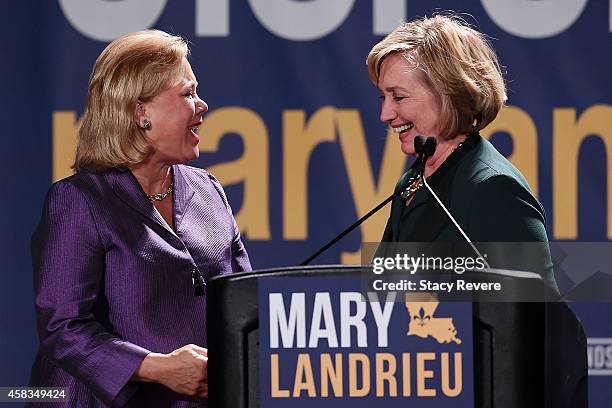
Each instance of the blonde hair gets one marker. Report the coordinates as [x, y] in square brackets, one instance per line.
[134, 67]
[457, 62]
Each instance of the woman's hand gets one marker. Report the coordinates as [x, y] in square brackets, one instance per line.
[185, 370]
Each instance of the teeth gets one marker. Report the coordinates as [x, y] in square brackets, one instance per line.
[195, 129]
[404, 128]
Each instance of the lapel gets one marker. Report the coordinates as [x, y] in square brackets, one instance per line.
[419, 198]
[128, 190]
[400, 213]
[399, 210]
[183, 195]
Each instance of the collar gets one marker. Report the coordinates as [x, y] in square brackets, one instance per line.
[128, 190]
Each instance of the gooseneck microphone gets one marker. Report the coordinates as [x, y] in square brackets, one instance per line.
[426, 149]
[350, 228]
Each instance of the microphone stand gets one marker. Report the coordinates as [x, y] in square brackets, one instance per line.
[419, 143]
[349, 229]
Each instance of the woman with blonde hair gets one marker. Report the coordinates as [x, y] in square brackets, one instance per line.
[125, 246]
[440, 78]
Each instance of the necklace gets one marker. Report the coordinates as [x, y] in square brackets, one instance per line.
[416, 182]
[161, 196]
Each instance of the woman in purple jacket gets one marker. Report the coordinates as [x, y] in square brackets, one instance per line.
[125, 246]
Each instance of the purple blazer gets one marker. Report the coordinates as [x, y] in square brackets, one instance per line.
[113, 282]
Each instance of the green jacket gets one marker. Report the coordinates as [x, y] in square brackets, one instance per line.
[491, 201]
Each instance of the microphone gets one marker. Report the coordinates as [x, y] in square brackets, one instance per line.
[424, 148]
[419, 144]
[427, 149]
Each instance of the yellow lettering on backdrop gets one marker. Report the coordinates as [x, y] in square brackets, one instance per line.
[519, 125]
[300, 138]
[251, 168]
[366, 192]
[331, 373]
[64, 134]
[446, 389]
[423, 374]
[569, 134]
[406, 386]
[275, 379]
[387, 375]
[304, 378]
[364, 362]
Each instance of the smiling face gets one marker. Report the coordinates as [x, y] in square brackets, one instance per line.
[175, 115]
[409, 105]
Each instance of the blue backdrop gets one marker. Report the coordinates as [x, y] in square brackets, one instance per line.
[293, 130]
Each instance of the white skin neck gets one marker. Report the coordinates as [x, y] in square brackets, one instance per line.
[444, 149]
[153, 177]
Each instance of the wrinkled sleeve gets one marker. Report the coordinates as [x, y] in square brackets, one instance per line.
[68, 263]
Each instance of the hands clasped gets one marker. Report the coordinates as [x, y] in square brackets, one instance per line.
[185, 370]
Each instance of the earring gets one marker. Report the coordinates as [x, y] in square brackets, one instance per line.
[477, 119]
[146, 124]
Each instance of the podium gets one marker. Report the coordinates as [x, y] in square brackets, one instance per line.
[525, 353]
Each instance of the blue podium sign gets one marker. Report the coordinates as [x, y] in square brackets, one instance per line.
[323, 342]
